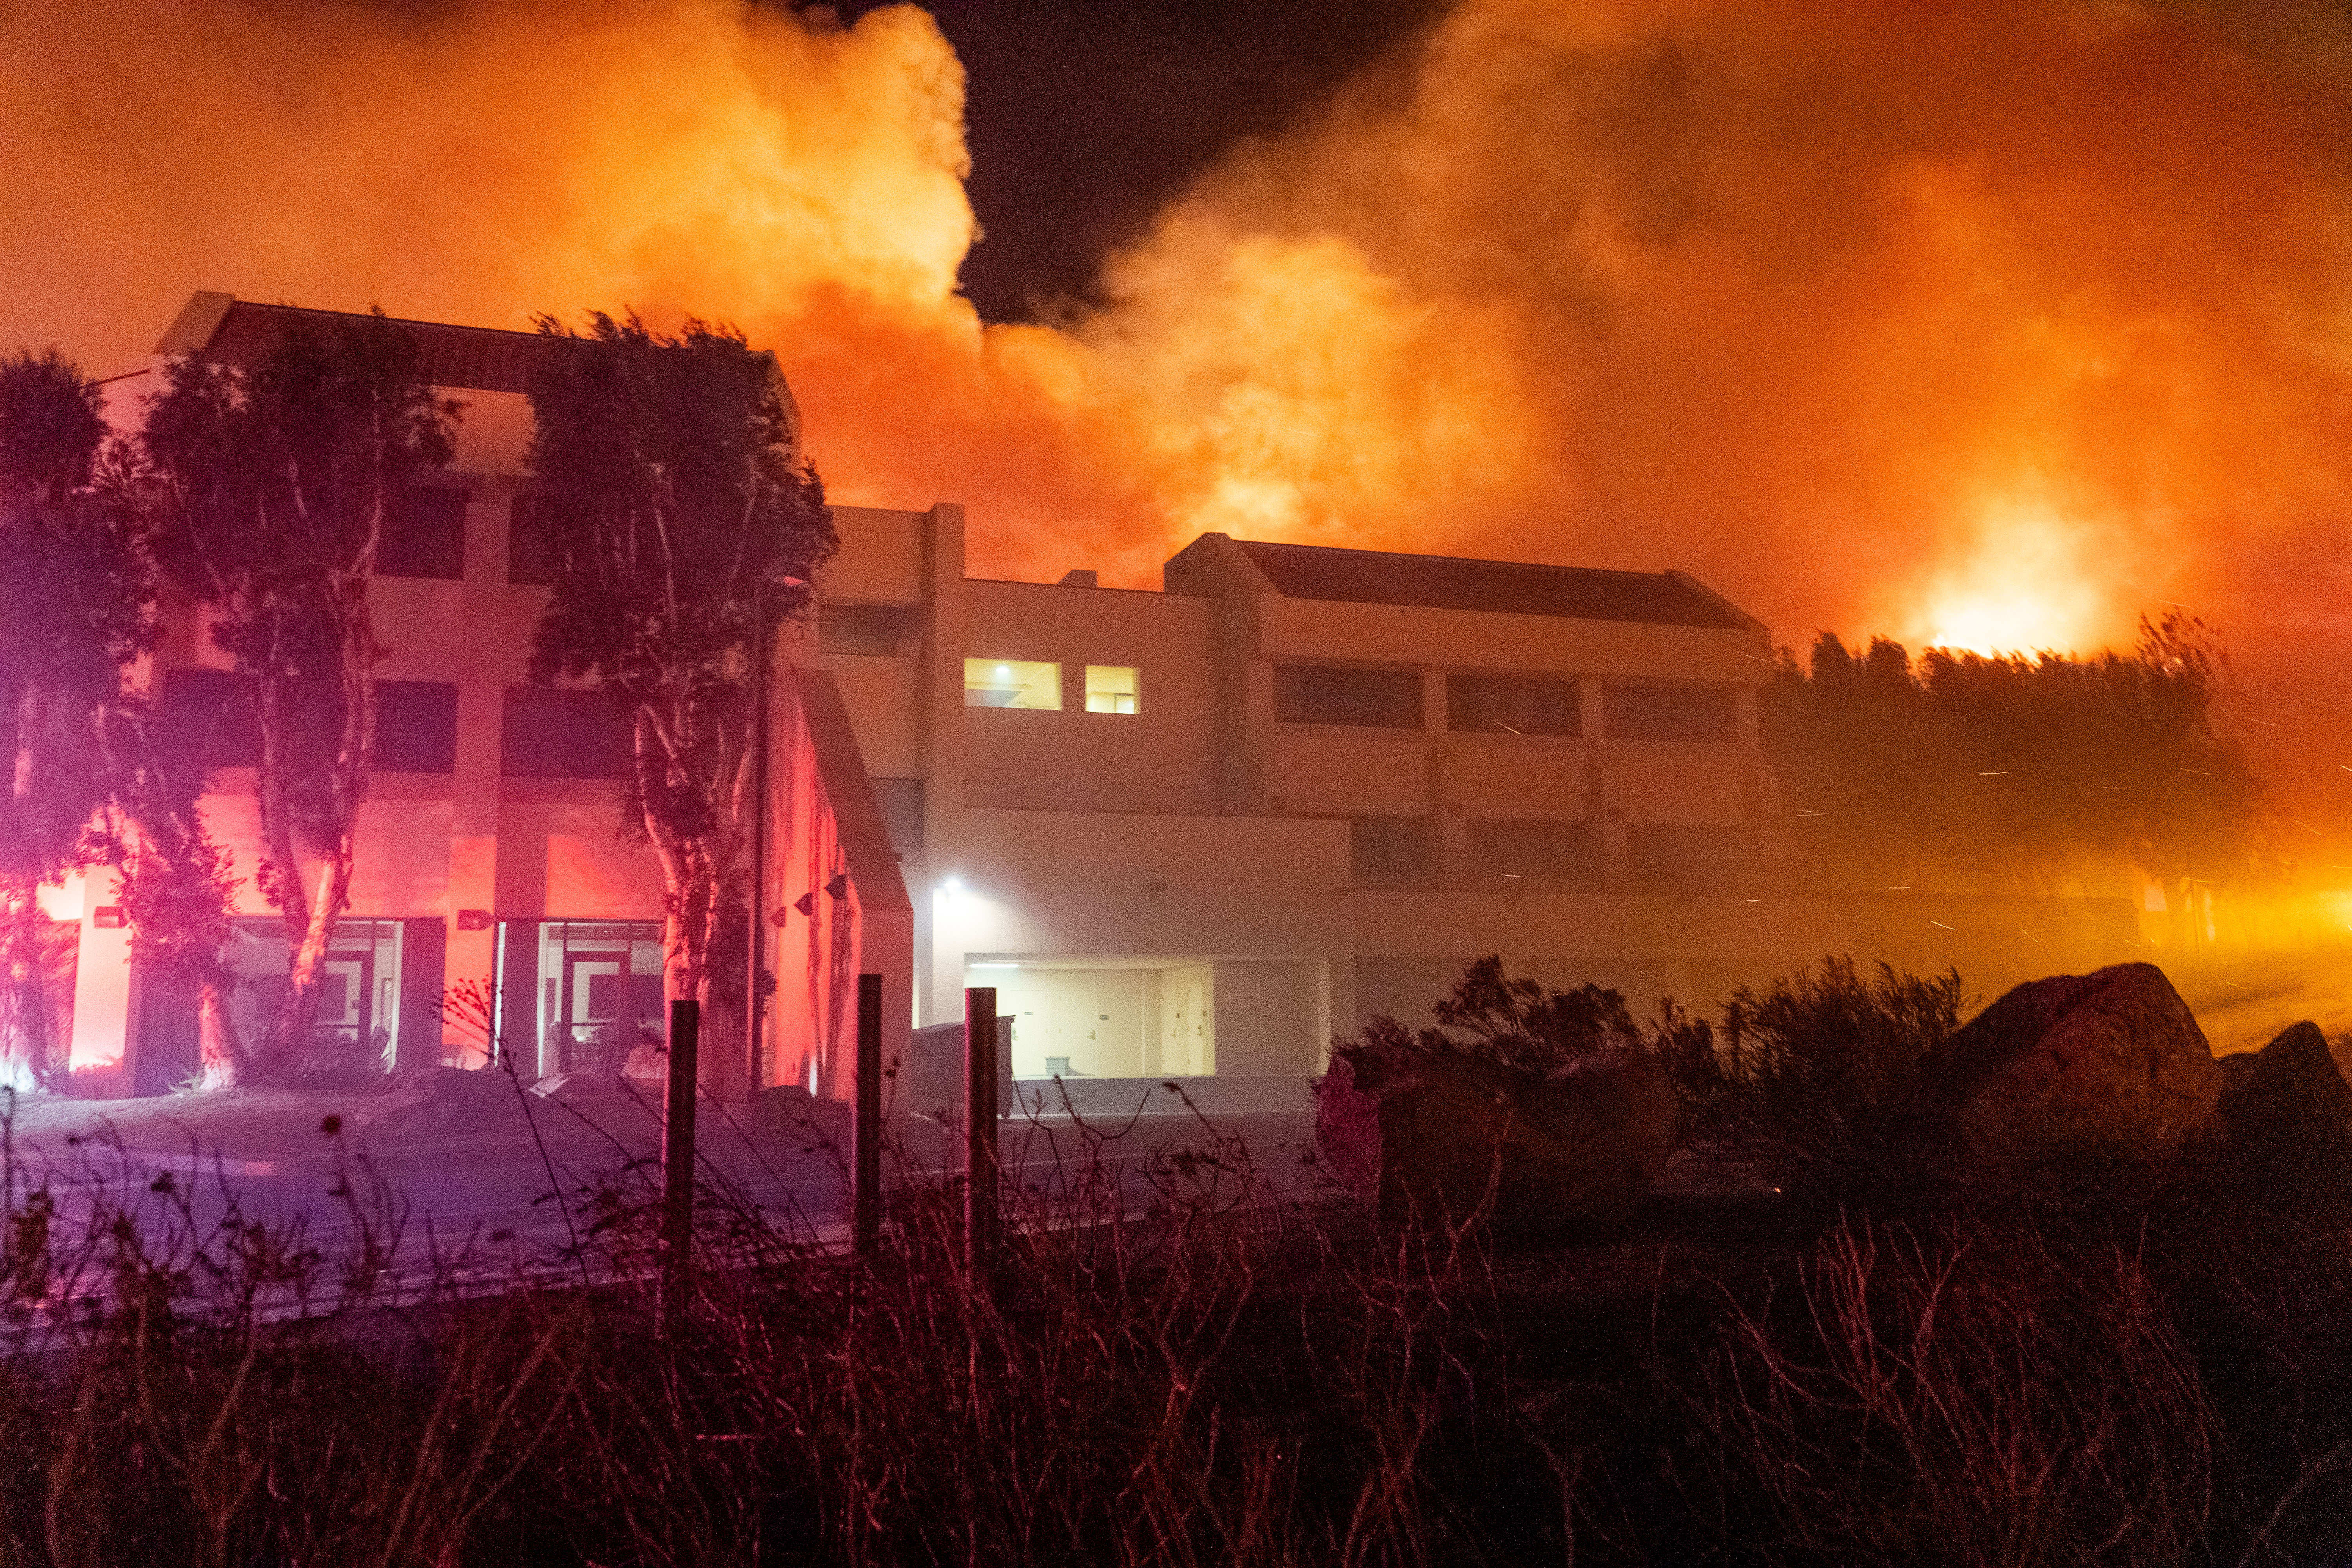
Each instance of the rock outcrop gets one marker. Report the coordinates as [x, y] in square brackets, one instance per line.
[1437, 1139]
[2286, 1114]
[2104, 1068]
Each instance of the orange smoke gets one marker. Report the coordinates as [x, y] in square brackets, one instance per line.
[1996, 322]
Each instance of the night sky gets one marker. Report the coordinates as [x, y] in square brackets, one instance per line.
[1084, 116]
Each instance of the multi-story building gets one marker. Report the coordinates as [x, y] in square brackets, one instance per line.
[1191, 832]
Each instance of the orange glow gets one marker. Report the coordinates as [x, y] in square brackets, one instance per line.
[1767, 292]
[2026, 586]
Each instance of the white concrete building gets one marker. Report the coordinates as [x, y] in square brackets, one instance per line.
[1190, 833]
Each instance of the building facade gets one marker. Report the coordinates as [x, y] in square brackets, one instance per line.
[1189, 833]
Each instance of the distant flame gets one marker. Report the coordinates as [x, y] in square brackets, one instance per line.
[1733, 286]
[2026, 587]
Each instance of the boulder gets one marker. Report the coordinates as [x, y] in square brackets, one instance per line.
[2286, 1114]
[1576, 1150]
[2104, 1068]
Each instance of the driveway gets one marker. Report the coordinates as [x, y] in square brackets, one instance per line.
[467, 1163]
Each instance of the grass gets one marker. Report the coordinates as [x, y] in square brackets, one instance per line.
[1171, 1368]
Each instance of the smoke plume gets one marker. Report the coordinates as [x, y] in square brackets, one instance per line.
[1997, 324]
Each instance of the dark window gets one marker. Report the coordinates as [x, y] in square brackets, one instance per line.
[1507, 705]
[530, 554]
[1670, 711]
[554, 734]
[1689, 858]
[416, 727]
[1385, 849]
[1546, 851]
[424, 534]
[871, 629]
[208, 718]
[1323, 694]
[901, 804]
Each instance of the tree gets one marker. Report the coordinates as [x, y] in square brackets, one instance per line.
[2009, 770]
[70, 621]
[77, 609]
[274, 483]
[667, 465]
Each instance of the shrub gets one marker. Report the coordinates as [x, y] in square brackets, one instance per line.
[1517, 1026]
[1818, 1076]
[1968, 1396]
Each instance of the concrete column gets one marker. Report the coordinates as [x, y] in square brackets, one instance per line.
[939, 965]
[482, 673]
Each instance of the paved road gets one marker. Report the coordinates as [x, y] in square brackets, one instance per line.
[477, 1177]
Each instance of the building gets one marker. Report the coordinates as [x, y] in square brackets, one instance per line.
[1186, 833]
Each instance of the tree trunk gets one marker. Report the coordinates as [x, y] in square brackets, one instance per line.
[24, 998]
[310, 928]
[216, 1053]
[310, 920]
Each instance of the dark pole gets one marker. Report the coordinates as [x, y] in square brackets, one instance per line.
[755, 1002]
[979, 1213]
[678, 1159]
[865, 1139]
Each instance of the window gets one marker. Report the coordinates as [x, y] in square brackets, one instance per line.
[209, 718]
[424, 534]
[1389, 849]
[1546, 851]
[1505, 705]
[416, 727]
[1011, 683]
[1323, 694]
[875, 630]
[1110, 688]
[531, 551]
[1670, 711]
[554, 734]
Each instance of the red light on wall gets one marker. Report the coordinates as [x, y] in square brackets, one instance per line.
[473, 920]
[107, 917]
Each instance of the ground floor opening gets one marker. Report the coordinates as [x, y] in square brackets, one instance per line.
[1120, 1016]
[577, 996]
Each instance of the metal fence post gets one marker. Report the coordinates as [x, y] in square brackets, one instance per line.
[981, 1218]
[866, 1132]
[678, 1159]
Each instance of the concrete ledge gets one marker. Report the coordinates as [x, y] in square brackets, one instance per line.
[1093, 1097]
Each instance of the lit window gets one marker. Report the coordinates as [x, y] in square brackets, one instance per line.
[1011, 683]
[1110, 688]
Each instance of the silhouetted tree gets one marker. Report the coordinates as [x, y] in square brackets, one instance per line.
[77, 608]
[68, 622]
[2011, 768]
[273, 483]
[670, 491]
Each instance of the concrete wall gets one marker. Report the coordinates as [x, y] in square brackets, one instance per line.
[430, 846]
[1411, 946]
[839, 905]
[1160, 759]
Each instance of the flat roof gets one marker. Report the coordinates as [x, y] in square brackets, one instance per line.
[470, 359]
[221, 327]
[1449, 583]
